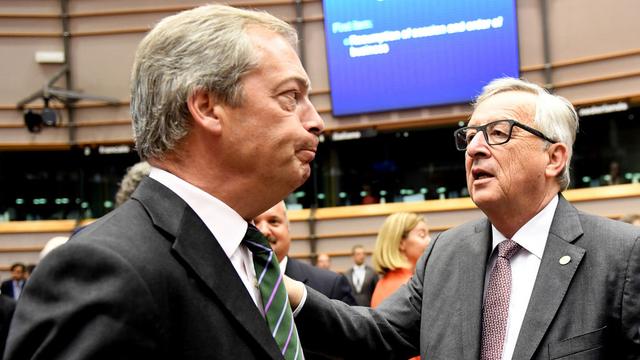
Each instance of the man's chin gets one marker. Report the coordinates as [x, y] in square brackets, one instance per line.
[305, 173]
[483, 198]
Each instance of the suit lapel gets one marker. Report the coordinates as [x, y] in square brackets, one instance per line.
[368, 277]
[553, 279]
[198, 251]
[370, 272]
[349, 275]
[472, 262]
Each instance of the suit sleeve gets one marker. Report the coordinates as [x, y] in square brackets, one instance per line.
[6, 289]
[84, 302]
[391, 331]
[631, 304]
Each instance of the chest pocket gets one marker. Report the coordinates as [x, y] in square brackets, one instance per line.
[583, 347]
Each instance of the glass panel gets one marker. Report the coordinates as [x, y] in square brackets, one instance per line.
[73, 184]
[607, 150]
[394, 166]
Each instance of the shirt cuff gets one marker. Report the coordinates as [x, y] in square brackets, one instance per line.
[302, 301]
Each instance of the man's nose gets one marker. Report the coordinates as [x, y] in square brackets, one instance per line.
[311, 119]
[478, 145]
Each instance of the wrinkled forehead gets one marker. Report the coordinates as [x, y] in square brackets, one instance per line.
[514, 105]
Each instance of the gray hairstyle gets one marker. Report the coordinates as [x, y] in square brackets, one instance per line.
[205, 48]
[131, 180]
[554, 115]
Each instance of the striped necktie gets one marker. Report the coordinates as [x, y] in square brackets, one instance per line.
[274, 295]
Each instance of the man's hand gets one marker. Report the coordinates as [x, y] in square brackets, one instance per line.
[295, 289]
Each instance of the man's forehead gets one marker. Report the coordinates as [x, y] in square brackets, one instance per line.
[514, 105]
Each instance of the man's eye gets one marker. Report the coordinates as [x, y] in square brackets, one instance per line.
[498, 133]
[291, 97]
[470, 135]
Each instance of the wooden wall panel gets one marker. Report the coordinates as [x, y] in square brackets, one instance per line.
[337, 229]
[104, 35]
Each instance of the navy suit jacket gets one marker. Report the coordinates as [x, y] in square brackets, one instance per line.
[331, 284]
[7, 288]
[147, 281]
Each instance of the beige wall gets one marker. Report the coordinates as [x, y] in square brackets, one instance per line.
[336, 229]
[594, 49]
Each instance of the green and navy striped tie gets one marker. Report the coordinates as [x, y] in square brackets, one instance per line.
[274, 295]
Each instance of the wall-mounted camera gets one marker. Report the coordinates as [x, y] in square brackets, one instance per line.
[35, 120]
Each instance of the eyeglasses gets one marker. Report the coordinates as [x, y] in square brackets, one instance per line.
[495, 133]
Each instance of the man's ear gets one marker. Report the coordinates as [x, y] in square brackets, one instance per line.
[205, 110]
[558, 154]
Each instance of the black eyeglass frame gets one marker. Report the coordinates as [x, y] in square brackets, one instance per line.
[512, 123]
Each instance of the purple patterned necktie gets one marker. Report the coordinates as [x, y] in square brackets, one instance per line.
[496, 303]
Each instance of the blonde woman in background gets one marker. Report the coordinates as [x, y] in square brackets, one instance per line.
[401, 241]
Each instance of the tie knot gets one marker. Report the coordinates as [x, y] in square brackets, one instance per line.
[508, 248]
[255, 241]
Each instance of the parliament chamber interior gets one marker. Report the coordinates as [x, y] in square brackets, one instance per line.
[65, 127]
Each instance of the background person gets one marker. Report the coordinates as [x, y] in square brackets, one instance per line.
[401, 240]
[537, 279]
[633, 219]
[130, 181]
[362, 277]
[323, 261]
[29, 268]
[219, 104]
[274, 225]
[12, 288]
[52, 244]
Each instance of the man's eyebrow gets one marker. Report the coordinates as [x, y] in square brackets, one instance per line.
[301, 81]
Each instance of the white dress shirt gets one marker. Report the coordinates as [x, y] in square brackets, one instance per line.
[17, 288]
[225, 224]
[524, 269]
[358, 276]
[283, 264]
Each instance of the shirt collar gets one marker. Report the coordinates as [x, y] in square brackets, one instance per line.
[226, 225]
[283, 264]
[533, 235]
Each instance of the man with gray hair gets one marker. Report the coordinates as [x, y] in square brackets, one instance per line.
[221, 110]
[535, 279]
[131, 180]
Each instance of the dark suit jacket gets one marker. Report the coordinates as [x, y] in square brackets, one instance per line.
[586, 309]
[7, 306]
[363, 298]
[147, 281]
[7, 288]
[332, 285]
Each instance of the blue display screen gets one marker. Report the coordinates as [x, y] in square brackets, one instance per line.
[398, 54]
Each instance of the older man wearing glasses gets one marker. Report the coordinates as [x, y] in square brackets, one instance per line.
[535, 279]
